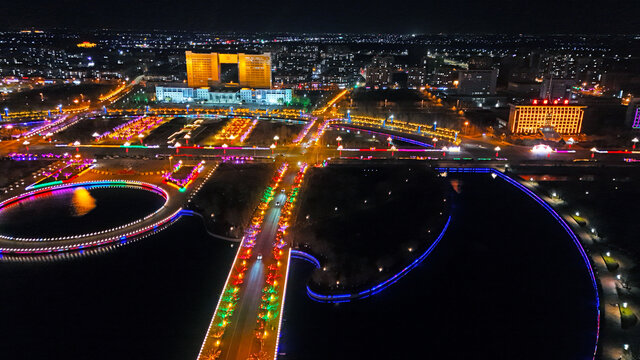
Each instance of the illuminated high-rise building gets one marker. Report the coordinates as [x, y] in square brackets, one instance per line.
[215, 69]
[557, 114]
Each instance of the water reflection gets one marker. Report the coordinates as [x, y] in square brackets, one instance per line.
[82, 202]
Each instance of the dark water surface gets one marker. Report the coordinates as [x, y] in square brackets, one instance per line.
[77, 211]
[506, 282]
[149, 300]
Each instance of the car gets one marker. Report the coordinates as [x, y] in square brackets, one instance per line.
[259, 257]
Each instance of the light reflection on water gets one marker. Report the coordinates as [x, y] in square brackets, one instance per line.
[82, 202]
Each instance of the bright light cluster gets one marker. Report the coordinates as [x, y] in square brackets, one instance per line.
[236, 128]
[322, 128]
[182, 182]
[29, 157]
[248, 131]
[304, 132]
[230, 295]
[269, 305]
[407, 127]
[133, 128]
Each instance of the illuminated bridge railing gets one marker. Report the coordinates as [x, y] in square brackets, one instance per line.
[440, 133]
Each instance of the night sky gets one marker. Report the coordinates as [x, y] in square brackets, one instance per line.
[407, 16]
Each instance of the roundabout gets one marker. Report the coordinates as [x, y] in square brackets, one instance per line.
[79, 201]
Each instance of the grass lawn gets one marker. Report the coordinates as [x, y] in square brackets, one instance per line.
[612, 264]
[627, 317]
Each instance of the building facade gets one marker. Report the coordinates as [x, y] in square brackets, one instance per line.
[183, 95]
[477, 82]
[529, 119]
[215, 69]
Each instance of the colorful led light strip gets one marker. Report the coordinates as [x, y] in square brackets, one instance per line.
[89, 184]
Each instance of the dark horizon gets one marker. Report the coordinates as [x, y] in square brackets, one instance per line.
[356, 17]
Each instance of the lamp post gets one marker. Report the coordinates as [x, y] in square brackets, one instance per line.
[95, 136]
[593, 152]
[273, 146]
[340, 149]
[177, 145]
[140, 136]
[389, 139]
[634, 141]
[26, 144]
[339, 139]
[393, 149]
[497, 149]
[126, 146]
[224, 149]
[435, 140]
[276, 138]
[77, 144]
[187, 137]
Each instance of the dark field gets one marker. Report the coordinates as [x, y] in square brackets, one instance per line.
[367, 222]
[606, 197]
[11, 170]
[228, 199]
[84, 129]
[265, 130]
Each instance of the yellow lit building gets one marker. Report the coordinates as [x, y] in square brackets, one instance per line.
[207, 70]
[528, 119]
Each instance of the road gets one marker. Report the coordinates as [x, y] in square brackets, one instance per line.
[241, 341]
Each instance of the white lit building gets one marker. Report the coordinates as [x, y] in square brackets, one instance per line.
[177, 94]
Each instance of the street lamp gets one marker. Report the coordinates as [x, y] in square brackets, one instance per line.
[634, 141]
[435, 140]
[389, 139]
[340, 149]
[140, 136]
[186, 137]
[593, 152]
[224, 149]
[339, 139]
[77, 144]
[276, 138]
[393, 148]
[126, 146]
[497, 149]
[177, 145]
[273, 146]
[26, 144]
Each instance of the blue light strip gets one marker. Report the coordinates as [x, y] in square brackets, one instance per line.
[381, 286]
[297, 254]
